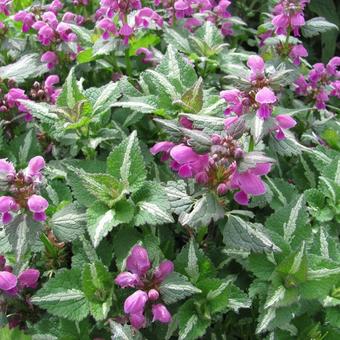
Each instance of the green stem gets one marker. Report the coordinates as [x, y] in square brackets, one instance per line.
[128, 63]
[251, 144]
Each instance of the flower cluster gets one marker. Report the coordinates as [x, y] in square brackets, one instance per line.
[321, 83]
[11, 284]
[50, 30]
[139, 276]
[39, 92]
[259, 98]
[112, 18]
[194, 12]
[219, 169]
[22, 188]
[289, 17]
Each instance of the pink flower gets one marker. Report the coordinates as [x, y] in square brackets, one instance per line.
[234, 100]
[26, 18]
[108, 27]
[137, 320]
[161, 313]
[138, 262]
[127, 279]
[265, 97]
[37, 205]
[28, 278]
[249, 182]
[8, 281]
[163, 270]
[284, 122]
[7, 170]
[50, 58]
[187, 162]
[135, 303]
[55, 6]
[296, 53]
[4, 7]
[256, 65]
[7, 204]
[332, 67]
[49, 88]
[145, 15]
[35, 165]
[148, 55]
[126, 31]
[301, 85]
[164, 148]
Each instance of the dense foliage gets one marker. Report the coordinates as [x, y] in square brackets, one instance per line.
[169, 169]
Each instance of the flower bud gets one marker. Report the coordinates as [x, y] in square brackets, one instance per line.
[137, 320]
[28, 278]
[216, 139]
[160, 313]
[202, 178]
[163, 270]
[222, 189]
[135, 303]
[127, 279]
[35, 165]
[153, 294]
[138, 262]
[7, 281]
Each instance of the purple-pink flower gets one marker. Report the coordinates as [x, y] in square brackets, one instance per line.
[296, 53]
[139, 276]
[288, 15]
[11, 284]
[38, 204]
[249, 182]
[50, 58]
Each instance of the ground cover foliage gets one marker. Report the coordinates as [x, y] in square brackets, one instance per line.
[169, 169]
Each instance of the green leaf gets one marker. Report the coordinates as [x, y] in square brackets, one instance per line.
[22, 233]
[294, 268]
[333, 316]
[177, 70]
[104, 187]
[26, 67]
[98, 289]
[176, 287]
[13, 334]
[205, 210]
[123, 332]
[176, 192]
[239, 234]
[126, 163]
[101, 220]
[191, 326]
[193, 262]
[142, 104]
[152, 206]
[177, 38]
[68, 223]
[314, 26]
[193, 97]
[107, 97]
[62, 296]
[291, 222]
[71, 93]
